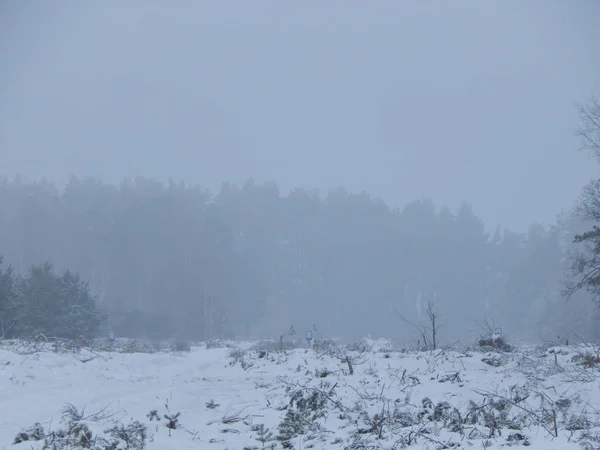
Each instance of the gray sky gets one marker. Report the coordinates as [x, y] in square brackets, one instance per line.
[458, 101]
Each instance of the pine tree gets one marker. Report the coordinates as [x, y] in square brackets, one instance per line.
[585, 265]
[57, 306]
[7, 298]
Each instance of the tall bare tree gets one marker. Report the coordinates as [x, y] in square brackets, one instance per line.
[429, 332]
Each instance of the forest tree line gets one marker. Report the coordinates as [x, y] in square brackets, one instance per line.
[178, 261]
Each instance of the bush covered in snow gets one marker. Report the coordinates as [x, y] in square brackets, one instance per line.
[79, 431]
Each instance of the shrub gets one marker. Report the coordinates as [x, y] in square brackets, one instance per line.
[495, 342]
[587, 359]
[77, 434]
[212, 405]
[137, 346]
[181, 346]
[324, 346]
[215, 343]
[303, 411]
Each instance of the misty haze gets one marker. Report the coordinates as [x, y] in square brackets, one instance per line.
[263, 224]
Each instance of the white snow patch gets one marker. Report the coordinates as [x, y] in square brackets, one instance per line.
[390, 387]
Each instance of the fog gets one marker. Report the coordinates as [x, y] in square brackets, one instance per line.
[469, 106]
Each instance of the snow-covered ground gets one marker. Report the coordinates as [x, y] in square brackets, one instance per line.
[228, 397]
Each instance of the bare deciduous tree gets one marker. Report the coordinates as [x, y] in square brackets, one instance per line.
[351, 359]
[429, 332]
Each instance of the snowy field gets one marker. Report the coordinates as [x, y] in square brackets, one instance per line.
[255, 395]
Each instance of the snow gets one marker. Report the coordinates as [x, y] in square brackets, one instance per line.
[256, 385]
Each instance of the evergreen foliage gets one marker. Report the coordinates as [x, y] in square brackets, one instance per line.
[178, 261]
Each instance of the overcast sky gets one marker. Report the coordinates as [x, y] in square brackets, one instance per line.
[457, 101]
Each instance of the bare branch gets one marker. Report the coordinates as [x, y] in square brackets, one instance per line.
[5, 328]
[429, 334]
[419, 328]
[350, 360]
[589, 129]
